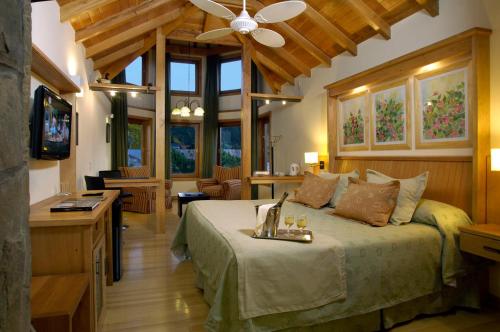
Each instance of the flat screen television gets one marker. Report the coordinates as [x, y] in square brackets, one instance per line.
[50, 126]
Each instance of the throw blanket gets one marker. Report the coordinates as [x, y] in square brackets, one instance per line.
[273, 276]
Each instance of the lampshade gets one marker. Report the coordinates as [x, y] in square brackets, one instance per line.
[176, 111]
[185, 111]
[199, 111]
[311, 157]
[495, 160]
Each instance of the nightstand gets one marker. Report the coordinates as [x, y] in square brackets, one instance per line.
[482, 240]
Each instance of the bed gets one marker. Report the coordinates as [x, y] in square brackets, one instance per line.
[388, 274]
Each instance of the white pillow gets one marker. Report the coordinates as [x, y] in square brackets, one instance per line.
[410, 192]
[341, 185]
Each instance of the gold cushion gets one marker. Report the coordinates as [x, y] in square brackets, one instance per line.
[315, 191]
[368, 202]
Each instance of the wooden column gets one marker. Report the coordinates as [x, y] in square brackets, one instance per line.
[160, 131]
[246, 121]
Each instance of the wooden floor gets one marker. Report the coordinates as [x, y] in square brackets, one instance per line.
[157, 292]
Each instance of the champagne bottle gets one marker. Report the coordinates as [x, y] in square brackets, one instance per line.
[273, 218]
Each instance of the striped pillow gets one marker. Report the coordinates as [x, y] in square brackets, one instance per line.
[222, 174]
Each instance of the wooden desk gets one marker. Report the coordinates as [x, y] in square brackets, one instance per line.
[142, 183]
[75, 242]
[60, 303]
[275, 179]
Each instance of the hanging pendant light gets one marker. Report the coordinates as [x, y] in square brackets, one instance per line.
[185, 112]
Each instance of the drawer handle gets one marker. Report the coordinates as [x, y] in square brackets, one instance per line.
[490, 249]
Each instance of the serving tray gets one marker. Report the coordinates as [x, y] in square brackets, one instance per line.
[295, 235]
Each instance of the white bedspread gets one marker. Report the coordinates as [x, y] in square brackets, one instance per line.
[273, 276]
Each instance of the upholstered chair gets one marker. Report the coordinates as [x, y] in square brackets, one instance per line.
[226, 184]
[143, 199]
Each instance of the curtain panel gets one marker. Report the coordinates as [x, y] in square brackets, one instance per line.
[211, 117]
[119, 128]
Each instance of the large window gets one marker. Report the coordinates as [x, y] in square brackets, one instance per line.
[230, 76]
[229, 144]
[184, 149]
[185, 76]
[133, 72]
[135, 143]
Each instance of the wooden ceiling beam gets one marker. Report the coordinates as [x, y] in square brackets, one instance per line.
[187, 10]
[74, 8]
[341, 38]
[430, 6]
[275, 67]
[115, 20]
[184, 50]
[116, 55]
[121, 64]
[263, 70]
[374, 20]
[294, 61]
[289, 60]
[298, 38]
[191, 37]
[129, 33]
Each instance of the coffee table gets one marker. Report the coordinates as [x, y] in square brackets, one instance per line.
[186, 197]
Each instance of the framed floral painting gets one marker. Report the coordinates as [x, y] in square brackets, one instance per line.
[442, 108]
[390, 116]
[353, 122]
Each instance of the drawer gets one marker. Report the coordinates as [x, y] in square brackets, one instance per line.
[480, 245]
[98, 229]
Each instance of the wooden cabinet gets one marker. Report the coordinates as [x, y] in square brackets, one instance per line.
[481, 240]
[75, 242]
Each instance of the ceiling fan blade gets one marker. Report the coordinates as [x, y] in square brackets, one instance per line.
[214, 8]
[213, 34]
[268, 37]
[280, 11]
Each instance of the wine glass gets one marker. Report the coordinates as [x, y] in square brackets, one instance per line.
[302, 222]
[289, 221]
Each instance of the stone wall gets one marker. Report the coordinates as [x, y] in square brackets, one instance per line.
[15, 252]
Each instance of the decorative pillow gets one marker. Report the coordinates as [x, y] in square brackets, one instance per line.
[368, 202]
[342, 185]
[315, 191]
[410, 193]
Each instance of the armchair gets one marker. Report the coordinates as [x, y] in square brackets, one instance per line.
[143, 199]
[226, 184]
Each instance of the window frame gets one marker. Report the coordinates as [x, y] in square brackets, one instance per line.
[219, 77]
[197, 160]
[225, 123]
[146, 124]
[197, 70]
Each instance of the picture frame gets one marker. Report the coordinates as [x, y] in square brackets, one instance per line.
[443, 108]
[390, 116]
[353, 117]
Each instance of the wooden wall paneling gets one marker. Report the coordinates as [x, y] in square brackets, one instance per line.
[112, 57]
[481, 122]
[246, 120]
[430, 6]
[160, 130]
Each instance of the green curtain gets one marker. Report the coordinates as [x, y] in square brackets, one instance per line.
[211, 117]
[255, 124]
[119, 128]
[168, 110]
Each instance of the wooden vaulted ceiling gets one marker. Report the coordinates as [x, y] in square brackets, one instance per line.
[115, 32]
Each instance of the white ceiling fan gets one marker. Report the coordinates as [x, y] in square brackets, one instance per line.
[244, 24]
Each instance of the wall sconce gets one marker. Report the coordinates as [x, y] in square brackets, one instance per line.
[495, 160]
[108, 128]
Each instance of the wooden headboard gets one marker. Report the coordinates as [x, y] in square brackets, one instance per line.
[450, 178]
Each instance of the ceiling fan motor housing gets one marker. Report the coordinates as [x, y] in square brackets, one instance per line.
[244, 23]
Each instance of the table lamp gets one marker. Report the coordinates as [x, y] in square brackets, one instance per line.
[311, 159]
[495, 160]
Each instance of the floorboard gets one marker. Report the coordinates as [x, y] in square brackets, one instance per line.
[157, 291]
